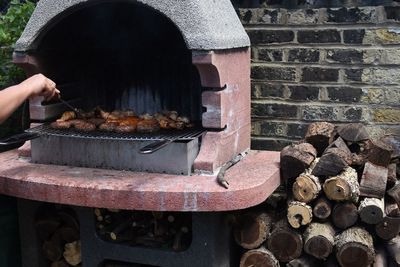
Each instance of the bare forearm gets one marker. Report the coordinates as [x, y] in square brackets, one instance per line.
[11, 98]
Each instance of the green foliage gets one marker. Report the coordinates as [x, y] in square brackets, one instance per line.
[11, 26]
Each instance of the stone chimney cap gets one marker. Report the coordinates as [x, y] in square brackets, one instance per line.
[204, 24]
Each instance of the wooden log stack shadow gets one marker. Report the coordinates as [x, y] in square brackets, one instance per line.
[341, 204]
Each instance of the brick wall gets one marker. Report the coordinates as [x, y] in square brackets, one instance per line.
[323, 64]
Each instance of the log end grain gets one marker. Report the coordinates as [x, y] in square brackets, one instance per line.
[344, 215]
[306, 188]
[259, 257]
[299, 214]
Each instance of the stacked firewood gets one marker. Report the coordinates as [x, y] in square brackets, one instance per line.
[167, 230]
[342, 205]
[58, 231]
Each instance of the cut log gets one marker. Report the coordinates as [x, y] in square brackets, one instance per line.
[320, 135]
[52, 250]
[61, 263]
[299, 214]
[378, 153]
[344, 215]
[393, 141]
[393, 249]
[394, 192]
[343, 186]
[318, 240]
[354, 248]
[46, 227]
[380, 257]
[322, 208]
[252, 229]
[341, 144]
[373, 181]
[295, 159]
[371, 210]
[284, 242]
[121, 231]
[304, 261]
[72, 253]
[331, 261]
[306, 187]
[388, 228]
[392, 176]
[258, 258]
[353, 132]
[391, 207]
[68, 218]
[332, 162]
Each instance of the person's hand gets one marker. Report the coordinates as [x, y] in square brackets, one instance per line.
[40, 85]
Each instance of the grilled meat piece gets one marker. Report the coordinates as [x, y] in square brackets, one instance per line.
[61, 124]
[128, 121]
[67, 115]
[83, 125]
[146, 116]
[129, 113]
[125, 129]
[108, 126]
[148, 126]
[96, 121]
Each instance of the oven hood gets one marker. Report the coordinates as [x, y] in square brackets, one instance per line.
[204, 24]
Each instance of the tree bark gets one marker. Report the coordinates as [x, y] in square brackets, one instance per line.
[295, 159]
[353, 132]
[394, 192]
[299, 214]
[371, 210]
[320, 135]
[318, 240]
[392, 176]
[373, 181]
[322, 208]
[343, 186]
[393, 248]
[388, 228]
[284, 242]
[344, 215]
[303, 261]
[332, 162]
[380, 257]
[354, 248]
[252, 229]
[378, 153]
[391, 207]
[260, 257]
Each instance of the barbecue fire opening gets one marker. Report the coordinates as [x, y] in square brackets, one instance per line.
[122, 56]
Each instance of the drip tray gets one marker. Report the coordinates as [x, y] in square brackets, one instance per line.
[115, 151]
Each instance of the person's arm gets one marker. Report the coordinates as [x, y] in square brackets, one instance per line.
[12, 97]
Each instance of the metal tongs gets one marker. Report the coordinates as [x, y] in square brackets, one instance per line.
[77, 111]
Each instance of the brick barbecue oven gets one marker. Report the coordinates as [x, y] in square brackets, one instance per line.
[146, 55]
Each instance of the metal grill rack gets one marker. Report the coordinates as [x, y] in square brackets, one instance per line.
[182, 135]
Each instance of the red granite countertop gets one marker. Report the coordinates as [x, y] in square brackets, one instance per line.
[251, 181]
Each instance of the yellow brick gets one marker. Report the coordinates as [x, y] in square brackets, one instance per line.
[388, 36]
[387, 115]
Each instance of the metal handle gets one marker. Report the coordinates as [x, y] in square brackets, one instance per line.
[153, 147]
[18, 138]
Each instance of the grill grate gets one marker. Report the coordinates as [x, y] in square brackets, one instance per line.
[186, 134]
